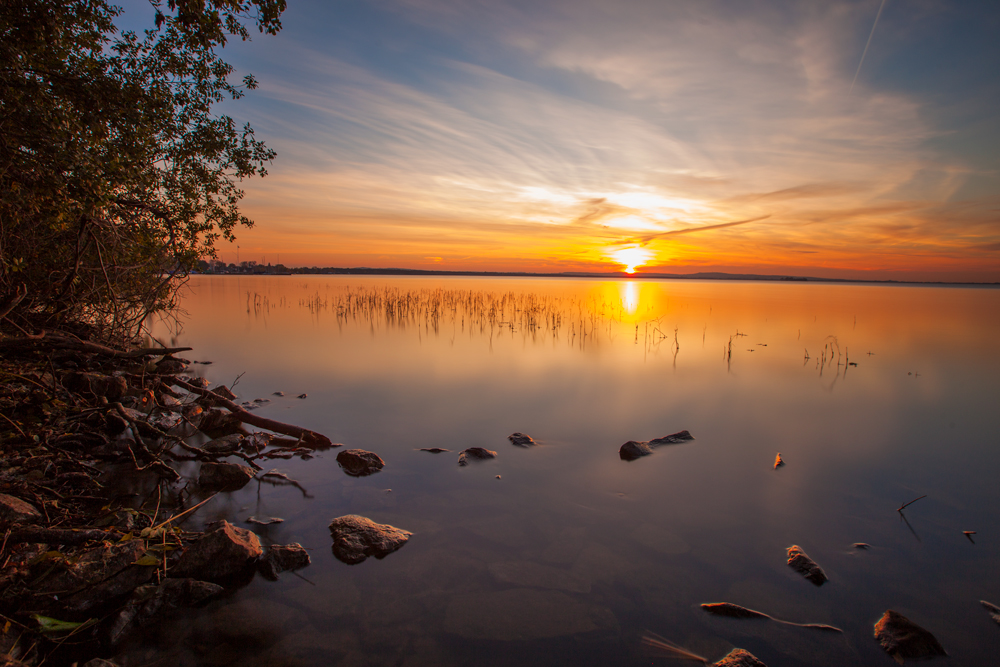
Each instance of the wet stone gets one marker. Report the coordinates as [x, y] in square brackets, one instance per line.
[14, 510]
[633, 450]
[224, 392]
[227, 444]
[740, 658]
[148, 601]
[521, 440]
[222, 553]
[282, 558]
[355, 538]
[475, 453]
[902, 638]
[358, 462]
[224, 476]
[806, 566]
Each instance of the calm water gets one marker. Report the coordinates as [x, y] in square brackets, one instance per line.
[572, 554]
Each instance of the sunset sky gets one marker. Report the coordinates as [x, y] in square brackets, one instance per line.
[589, 135]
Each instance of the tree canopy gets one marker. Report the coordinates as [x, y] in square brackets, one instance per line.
[115, 174]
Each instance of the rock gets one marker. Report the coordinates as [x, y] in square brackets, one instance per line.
[278, 393]
[100, 662]
[358, 462]
[169, 365]
[861, 545]
[111, 387]
[477, 453]
[778, 461]
[14, 510]
[227, 444]
[224, 392]
[672, 439]
[282, 558]
[148, 601]
[633, 450]
[534, 575]
[806, 566]
[218, 422]
[98, 576]
[221, 554]
[355, 538]
[264, 520]
[521, 440]
[740, 658]
[902, 638]
[224, 476]
[302, 396]
[433, 450]
[993, 610]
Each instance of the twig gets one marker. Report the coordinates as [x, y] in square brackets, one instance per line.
[901, 507]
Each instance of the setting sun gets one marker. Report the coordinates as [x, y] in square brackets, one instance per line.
[632, 257]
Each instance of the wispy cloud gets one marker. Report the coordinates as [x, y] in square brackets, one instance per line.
[562, 130]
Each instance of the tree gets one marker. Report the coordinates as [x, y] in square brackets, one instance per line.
[115, 175]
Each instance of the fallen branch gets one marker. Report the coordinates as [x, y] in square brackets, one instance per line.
[305, 435]
[55, 340]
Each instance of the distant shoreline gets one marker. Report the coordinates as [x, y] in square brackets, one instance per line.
[585, 274]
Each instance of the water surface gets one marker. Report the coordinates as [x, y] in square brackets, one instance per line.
[564, 553]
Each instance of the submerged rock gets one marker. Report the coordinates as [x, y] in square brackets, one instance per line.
[282, 558]
[806, 566]
[521, 614]
[148, 601]
[633, 449]
[14, 510]
[222, 553]
[740, 658]
[358, 462]
[477, 453]
[227, 444]
[902, 638]
[521, 440]
[224, 476]
[355, 538]
[433, 450]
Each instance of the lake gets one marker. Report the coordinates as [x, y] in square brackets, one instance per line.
[565, 554]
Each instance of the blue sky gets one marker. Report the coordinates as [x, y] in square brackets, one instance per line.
[591, 135]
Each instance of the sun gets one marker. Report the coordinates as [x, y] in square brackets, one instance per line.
[631, 257]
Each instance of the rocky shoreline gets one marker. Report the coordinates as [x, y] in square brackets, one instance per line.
[92, 503]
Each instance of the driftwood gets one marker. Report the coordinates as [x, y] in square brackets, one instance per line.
[305, 435]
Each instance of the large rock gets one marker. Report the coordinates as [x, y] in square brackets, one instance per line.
[282, 558]
[217, 422]
[224, 476]
[740, 658]
[14, 510]
[358, 462]
[225, 552]
[148, 601]
[355, 538]
[806, 566]
[475, 453]
[902, 638]
[633, 449]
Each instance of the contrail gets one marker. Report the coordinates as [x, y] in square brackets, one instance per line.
[643, 240]
[865, 52]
